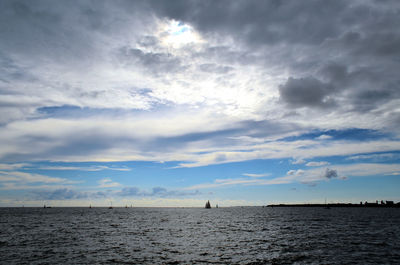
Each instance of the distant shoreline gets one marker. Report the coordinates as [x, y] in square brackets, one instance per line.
[331, 205]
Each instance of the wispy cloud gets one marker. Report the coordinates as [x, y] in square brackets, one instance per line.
[374, 157]
[256, 175]
[29, 177]
[108, 183]
[20, 186]
[308, 176]
[13, 166]
[218, 183]
[90, 168]
[317, 164]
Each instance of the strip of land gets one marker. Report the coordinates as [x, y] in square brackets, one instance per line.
[387, 204]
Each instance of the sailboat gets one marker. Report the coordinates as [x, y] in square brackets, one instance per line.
[208, 205]
[326, 205]
[110, 206]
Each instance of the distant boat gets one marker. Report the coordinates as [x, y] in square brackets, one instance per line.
[216, 206]
[90, 206]
[326, 205]
[208, 205]
[110, 206]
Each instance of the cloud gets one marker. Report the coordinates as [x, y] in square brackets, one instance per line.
[374, 157]
[24, 177]
[155, 192]
[100, 82]
[330, 173]
[157, 63]
[298, 161]
[130, 191]
[306, 92]
[367, 169]
[256, 23]
[13, 166]
[307, 176]
[90, 168]
[297, 172]
[60, 194]
[214, 68]
[252, 181]
[108, 183]
[317, 164]
[252, 175]
[68, 193]
[315, 175]
[324, 137]
[163, 192]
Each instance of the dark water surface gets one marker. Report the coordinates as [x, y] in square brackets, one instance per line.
[248, 235]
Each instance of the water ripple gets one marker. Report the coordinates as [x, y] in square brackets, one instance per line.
[238, 235]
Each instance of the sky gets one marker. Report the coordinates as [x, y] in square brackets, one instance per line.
[172, 103]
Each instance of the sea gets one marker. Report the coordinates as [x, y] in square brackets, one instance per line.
[232, 235]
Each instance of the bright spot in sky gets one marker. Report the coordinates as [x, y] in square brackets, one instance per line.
[177, 34]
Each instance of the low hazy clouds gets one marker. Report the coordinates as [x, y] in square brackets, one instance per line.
[73, 194]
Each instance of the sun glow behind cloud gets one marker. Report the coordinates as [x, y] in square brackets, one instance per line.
[176, 34]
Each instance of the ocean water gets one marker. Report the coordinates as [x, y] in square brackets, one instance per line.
[237, 235]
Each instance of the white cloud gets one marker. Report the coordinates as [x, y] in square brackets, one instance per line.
[29, 177]
[19, 186]
[323, 137]
[385, 156]
[13, 166]
[298, 161]
[90, 168]
[256, 175]
[317, 164]
[108, 183]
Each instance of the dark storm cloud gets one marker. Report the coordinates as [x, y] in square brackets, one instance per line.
[330, 173]
[362, 37]
[40, 29]
[306, 92]
[12, 72]
[258, 23]
[62, 29]
[360, 40]
[365, 87]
